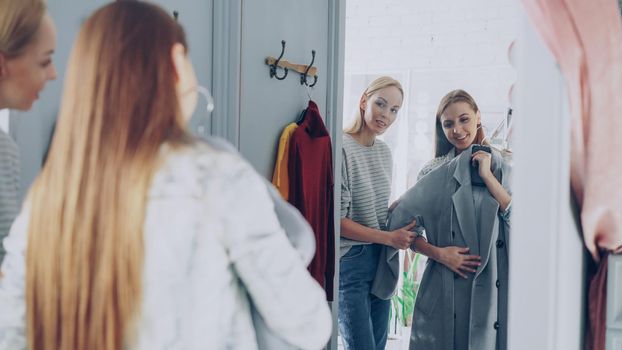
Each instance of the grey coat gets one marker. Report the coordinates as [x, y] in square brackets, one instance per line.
[300, 236]
[452, 312]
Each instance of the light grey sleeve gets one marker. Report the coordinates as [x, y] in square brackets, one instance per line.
[415, 204]
[506, 182]
[12, 287]
[296, 227]
[427, 168]
[346, 195]
[9, 186]
[268, 266]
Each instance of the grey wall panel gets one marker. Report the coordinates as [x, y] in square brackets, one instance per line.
[268, 105]
[226, 55]
[32, 130]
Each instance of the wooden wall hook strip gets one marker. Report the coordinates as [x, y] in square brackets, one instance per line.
[300, 68]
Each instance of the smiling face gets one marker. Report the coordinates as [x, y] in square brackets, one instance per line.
[380, 109]
[460, 122]
[23, 77]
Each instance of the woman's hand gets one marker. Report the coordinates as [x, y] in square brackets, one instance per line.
[494, 186]
[484, 161]
[402, 238]
[457, 260]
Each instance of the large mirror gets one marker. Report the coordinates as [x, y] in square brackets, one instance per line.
[444, 284]
[424, 147]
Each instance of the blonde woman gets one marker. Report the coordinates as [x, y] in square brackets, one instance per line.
[365, 189]
[27, 42]
[135, 235]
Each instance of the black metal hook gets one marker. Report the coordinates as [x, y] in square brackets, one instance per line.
[276, 64]
[175, 15]
[303, 76]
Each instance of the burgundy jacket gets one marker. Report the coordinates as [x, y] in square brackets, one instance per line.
[310, 171]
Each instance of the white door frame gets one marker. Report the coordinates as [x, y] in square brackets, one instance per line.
[226, 58]
[547, 264]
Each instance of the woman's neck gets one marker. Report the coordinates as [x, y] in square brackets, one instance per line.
[365, 137]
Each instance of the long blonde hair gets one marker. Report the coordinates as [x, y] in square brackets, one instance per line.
[378, 84]
[85, 247]
[19, 22]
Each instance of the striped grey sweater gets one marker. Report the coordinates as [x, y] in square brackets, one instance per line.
[365, 185]
[9, 186]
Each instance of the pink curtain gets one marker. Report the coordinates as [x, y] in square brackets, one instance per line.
[585, 36]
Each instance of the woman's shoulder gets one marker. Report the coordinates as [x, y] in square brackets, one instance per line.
[347, 141]
[382, 146]
[503, 155]
[7, 145]
[191, 168]
[433, 164]
[350, 144]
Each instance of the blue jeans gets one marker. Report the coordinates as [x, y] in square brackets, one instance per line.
[363, 318]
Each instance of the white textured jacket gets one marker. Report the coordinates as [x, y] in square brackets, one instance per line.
[212, 240]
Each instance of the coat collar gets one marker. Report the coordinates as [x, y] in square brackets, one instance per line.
[313, 123]
[463, 199]
[463, 204]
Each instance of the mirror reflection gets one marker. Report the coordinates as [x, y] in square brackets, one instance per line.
[425, 192]
[424, 172]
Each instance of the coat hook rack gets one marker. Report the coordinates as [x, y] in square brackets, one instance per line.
[303, 76]
[304, 70]
[275, 63]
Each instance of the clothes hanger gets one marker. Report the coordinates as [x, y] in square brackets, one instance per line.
[302, 117]
[309, 90]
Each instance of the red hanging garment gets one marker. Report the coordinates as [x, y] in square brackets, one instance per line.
[310, 171]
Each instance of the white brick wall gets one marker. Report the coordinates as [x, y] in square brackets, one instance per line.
[433, 47]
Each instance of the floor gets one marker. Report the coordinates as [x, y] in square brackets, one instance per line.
[395, 342]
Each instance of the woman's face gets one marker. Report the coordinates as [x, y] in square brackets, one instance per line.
[22, 78]
[381, 108]
[459, 123]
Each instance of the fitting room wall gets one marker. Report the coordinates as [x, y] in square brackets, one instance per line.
[32, 130]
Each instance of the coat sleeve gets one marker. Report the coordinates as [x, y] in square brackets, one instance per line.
[290, 301]
[506, 181]
[12, 287]
[387, 273]
[417, 203]
[346, 195]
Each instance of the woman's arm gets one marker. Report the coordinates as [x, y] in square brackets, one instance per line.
[456, 259]
[398, 239]
[267, 264]
[494, 187]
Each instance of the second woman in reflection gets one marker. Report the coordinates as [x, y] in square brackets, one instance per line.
[462, 200]
[365, 189]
